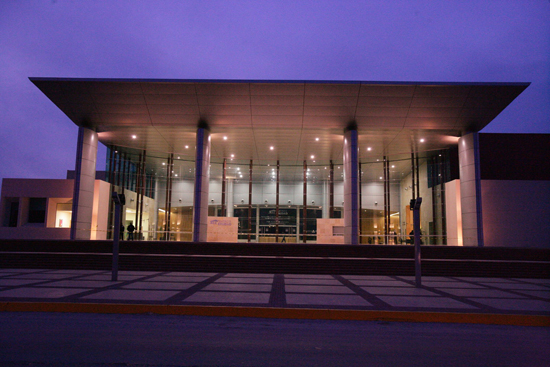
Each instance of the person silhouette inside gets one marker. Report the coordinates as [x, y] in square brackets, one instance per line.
[130, 230]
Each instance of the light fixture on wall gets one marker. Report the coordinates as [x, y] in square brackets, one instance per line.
[265, 201]
[290, 201]
[312, 201]
[376, 203]
[180, 200]
[212, 200]
[242, 201]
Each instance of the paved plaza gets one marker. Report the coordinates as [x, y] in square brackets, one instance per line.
[334, 292]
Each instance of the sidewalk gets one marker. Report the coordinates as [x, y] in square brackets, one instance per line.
[288, 295]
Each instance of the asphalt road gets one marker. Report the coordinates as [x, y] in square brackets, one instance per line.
[56, 339]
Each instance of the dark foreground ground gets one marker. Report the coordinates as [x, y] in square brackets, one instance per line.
[73, 339]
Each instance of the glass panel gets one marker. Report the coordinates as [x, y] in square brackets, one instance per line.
[63, 215]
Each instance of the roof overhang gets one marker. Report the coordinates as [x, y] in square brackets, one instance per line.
[289, 115]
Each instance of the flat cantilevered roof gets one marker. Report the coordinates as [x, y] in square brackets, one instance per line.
[297, 118]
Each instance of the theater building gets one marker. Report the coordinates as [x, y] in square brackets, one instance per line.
[290, 162]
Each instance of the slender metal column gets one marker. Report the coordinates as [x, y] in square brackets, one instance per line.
[277, 205]
[167, 214]
[223, 214]
[331, 199]
[202, 176]
[385, 201]
[388, 192]
[250, 202]
[138, 191]
[141, 194]
[412, 177]
[351, 186]
[417, 166]
[304, 212]
[360, 201]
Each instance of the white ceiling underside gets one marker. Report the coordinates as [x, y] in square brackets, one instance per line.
[297, 119]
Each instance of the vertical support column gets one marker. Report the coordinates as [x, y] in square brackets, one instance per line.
[277, 205]
[470, 190]
[202, 177]
[168, 198]
[304, 212]
[386, 224]
[331, 199]
[351, 186]
[141, 196]
[250, 204]
[360, 200]
[83, 195]
[224, 187]
[230, 205]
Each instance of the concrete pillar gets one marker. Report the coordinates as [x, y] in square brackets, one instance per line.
[470, 190]
[83, 195]
[202, 178]
[351, 186]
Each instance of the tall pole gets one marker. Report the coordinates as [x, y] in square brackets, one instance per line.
[331, 197]
[250, 201]
[224, 187]
[277, 205]
[304, 212]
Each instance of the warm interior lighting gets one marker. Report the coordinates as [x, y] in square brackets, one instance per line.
[225, 138]
[271, 148]
[316, 139]
[421, 140]
[369, 149]
[187, 147]
[134, 137]
[312, 156]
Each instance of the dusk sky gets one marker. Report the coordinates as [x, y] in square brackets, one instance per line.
[428, 41]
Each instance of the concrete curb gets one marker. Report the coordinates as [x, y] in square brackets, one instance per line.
[280, 313]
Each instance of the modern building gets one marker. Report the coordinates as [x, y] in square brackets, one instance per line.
[293, 161]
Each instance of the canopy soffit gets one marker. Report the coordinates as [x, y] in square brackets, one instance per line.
[299, 119]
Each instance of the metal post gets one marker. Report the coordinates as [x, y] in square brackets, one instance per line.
[277, 205]
[386, 224]
[331, 198]
[415, 206]
[119, 201]
[223, 187]
[304, 212]
[250, 202]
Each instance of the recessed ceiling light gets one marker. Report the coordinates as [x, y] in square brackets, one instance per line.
[316, 139]
[369, 149]
[176, 175]
[178, 157]
[421, 140]
[381, 178]
[312, 156]
[163, 163]
[271, 148]
[392, 166]
[187, 147]
[232, 155]
[225, 138]
[134, 137]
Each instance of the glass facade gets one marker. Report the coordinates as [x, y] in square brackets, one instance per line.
[280, 202]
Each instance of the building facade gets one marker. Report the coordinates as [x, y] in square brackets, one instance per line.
[309, 162]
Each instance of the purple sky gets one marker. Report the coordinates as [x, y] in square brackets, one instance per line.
[443, 41]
